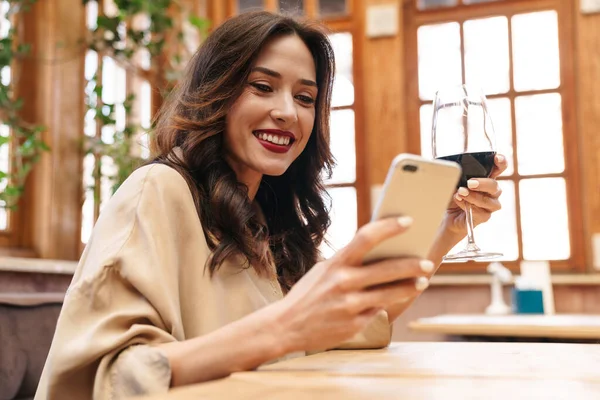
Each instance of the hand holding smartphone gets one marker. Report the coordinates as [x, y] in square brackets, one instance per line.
[419, 188]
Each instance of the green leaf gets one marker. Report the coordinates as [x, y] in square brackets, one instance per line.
[201, 23]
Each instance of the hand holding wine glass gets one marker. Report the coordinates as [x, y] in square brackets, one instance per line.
[462, 132]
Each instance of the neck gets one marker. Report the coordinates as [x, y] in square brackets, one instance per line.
[247, 176]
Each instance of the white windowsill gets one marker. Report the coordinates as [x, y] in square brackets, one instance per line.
[486, 279]
[36, 265]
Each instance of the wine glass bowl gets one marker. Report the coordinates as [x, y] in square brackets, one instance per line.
[463, 132]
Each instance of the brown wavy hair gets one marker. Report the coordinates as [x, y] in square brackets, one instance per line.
[293, 215]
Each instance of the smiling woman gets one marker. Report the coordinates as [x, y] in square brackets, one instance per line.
[206, 261]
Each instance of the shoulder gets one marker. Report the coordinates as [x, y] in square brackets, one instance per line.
[156, 174]
[152, 191]
[156, 182]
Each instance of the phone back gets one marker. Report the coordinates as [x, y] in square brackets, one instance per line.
[419, 188]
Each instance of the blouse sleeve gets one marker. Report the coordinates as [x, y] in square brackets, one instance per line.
[124, 297]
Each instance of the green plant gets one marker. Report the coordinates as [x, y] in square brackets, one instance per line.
[116, 36]
[23, 138]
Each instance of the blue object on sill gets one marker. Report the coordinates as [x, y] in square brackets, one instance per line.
[527, 301]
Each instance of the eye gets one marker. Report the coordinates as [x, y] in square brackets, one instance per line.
[262, 87]
[305, 99]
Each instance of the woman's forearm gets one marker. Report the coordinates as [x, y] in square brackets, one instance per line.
[240, 346]
[444, 242]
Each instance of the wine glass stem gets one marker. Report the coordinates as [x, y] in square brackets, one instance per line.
[469, 217]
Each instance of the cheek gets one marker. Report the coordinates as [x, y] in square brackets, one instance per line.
[307, 121]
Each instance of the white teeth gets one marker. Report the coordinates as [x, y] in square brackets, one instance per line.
[280, 140]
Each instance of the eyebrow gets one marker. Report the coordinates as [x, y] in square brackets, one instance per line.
[276, 74]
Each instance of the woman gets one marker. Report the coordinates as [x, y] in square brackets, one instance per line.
[206, 262]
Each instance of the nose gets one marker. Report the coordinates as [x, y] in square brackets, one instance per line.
[284, 110]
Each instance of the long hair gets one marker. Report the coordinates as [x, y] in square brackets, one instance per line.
[193, 119]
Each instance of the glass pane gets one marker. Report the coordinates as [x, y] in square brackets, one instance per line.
[332, 7]
[343, 146]
[90, 123]
[544, 219]
[248, 5]
[146, 115]
[439, 58]
[343, 220]
[145, 105]
[4, 166]
[425, 4]
[294, 7]
[113, 82]
[91, 18]
[87, 210]
[539, 126]
[4, 22]
[486, 54]
[535, 51]
[426, 119]
[91, 64]
[500, 232]
[5, 76]
[3, 219]
[109, 170]
[343, 86]
[500, 112]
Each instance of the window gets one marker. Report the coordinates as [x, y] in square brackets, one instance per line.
[518, 52]
[349, 199]
[117, 84]
[5, 78]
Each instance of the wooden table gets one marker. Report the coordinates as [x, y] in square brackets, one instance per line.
[420, 371]
[584, 327]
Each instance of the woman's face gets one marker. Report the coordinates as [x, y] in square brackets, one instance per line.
[269, 125]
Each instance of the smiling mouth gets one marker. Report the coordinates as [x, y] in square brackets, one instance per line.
[279, 140]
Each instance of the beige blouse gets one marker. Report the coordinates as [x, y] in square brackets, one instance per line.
[141, 280]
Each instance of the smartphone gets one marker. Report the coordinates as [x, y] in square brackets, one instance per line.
[420, 188]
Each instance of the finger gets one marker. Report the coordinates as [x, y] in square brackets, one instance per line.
[370, 235]
[485, 185]
[383, 272]
[385, 295]
[483, 201]
[500, 166]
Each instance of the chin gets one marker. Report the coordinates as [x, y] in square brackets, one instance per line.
[275, 170]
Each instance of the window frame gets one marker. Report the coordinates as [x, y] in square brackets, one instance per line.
[414, 18]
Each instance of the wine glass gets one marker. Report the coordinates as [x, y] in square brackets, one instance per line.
[462, 132]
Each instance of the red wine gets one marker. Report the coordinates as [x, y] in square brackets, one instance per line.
[474, 165]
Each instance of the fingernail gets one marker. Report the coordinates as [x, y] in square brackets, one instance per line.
[499, 158]
[457, 197]
[405, 221]
[426, 266]
[472, 184]
[421, 283]
[463, 191]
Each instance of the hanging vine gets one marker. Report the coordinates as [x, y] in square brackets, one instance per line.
[22, 138]
[162, 27]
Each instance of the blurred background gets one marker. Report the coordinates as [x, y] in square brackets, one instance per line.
[81, 80]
